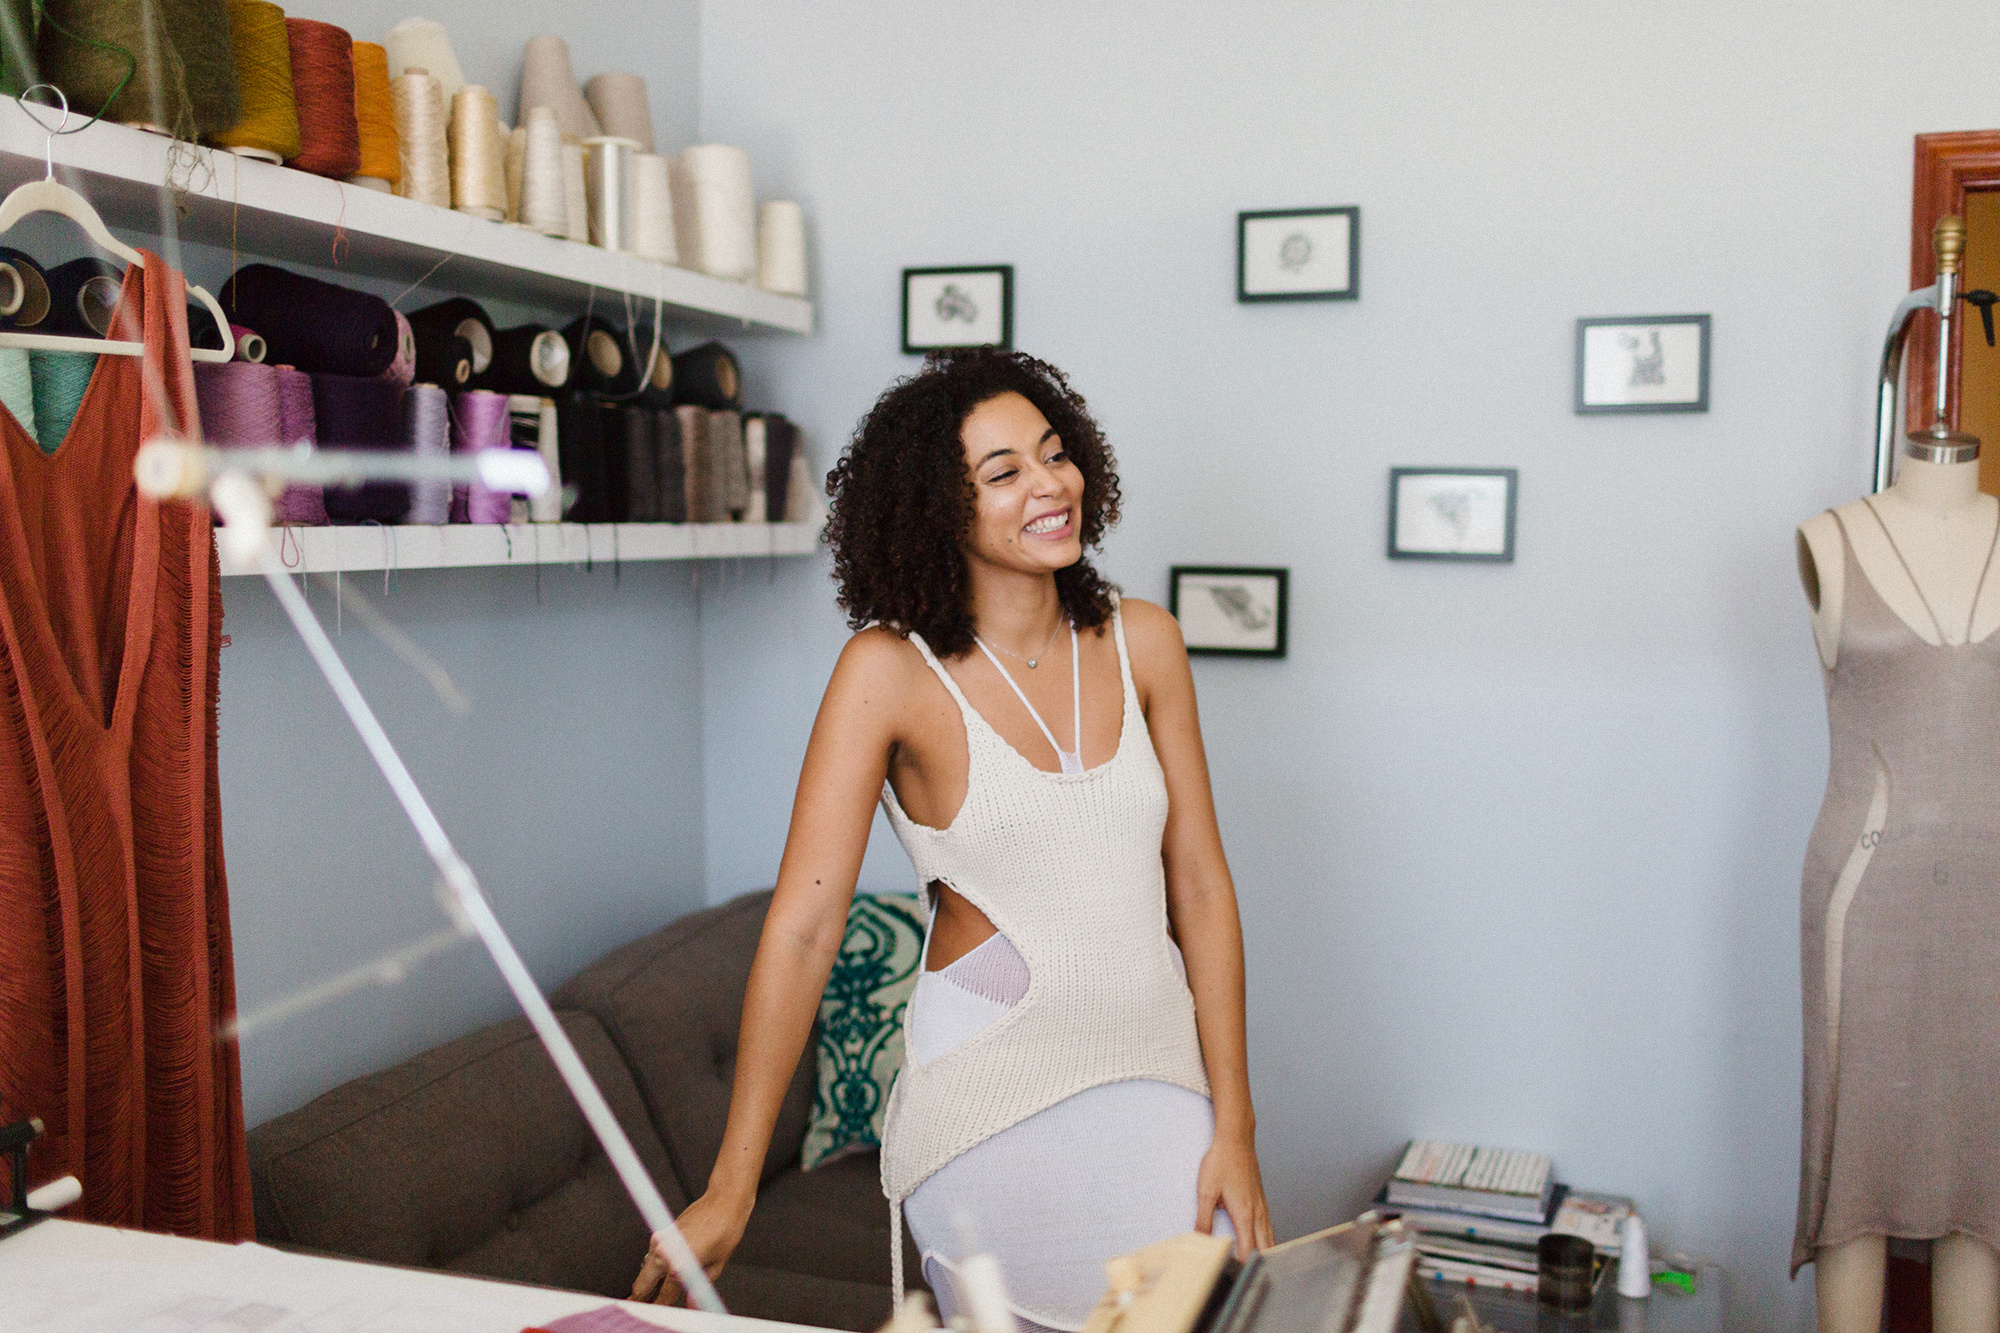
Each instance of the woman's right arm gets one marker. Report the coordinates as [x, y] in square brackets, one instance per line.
[846, 762]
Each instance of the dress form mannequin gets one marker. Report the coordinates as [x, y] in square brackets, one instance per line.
[1941, 524]
[1925, 549]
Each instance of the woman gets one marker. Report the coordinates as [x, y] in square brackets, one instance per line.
[1072, 1089]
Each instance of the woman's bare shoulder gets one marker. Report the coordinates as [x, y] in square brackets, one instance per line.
[878, 664]
[1150, 628]
[1153, 640]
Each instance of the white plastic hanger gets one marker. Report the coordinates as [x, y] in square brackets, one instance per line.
[49, 195]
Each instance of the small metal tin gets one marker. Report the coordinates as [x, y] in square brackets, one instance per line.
[1565, 1264]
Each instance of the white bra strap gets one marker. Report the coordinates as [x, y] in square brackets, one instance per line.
[1124, 657]
[930, 658]
[1076, 695]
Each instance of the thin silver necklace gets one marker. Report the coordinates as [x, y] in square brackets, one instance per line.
[1034, 661]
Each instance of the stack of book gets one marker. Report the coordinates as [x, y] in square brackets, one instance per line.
[1479, 1212]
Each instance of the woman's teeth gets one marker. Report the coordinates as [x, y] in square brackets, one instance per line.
[1047, 524]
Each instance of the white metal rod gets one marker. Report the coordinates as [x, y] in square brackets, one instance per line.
[167, 467]
[479, 915]
[1947, 302]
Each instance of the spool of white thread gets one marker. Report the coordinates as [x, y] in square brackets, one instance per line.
[478, 155]
[424, 43]
[544, 206]
[687, 221]
[576, 193]
[653, 209]
[417, 100]
[726, 210]
[607, 175]
[1635, 1264]
[781, 248]
[546, 80]
[547, 506]
[622, 108]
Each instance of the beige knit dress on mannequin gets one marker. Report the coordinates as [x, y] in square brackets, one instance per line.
[1900, 928]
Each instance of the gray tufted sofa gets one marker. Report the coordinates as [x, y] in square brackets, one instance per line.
[473, 1159]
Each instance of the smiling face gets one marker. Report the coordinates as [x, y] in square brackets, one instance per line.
[1027, 494]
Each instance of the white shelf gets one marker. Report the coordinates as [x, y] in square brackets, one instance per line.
[288, 216]
[346, 549]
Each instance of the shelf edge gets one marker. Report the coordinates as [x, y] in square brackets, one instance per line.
[372, 548]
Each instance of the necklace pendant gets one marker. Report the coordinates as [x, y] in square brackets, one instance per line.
[1031, 663]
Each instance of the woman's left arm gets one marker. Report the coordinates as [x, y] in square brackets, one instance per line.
[1201, 902]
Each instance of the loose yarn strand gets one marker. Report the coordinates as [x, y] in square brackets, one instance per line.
[50, 21]
[397, 299]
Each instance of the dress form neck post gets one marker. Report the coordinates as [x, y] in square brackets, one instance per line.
[1940, 489]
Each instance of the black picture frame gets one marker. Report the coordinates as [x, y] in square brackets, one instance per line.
[1350, 292]
[1697, 403]
[1281, 608]
[1400, 550]
[1006, 275]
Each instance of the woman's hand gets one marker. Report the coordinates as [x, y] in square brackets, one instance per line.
[713, 1225]
[1229, 1177]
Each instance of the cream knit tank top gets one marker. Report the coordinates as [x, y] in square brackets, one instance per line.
[1067, 866]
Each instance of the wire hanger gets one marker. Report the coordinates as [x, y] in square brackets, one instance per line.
[49, 195]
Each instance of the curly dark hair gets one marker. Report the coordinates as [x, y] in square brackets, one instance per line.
[902, 498]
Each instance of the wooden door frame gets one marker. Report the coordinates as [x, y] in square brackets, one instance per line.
[1948, 167]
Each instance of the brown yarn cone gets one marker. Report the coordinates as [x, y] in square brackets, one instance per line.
[323, 86]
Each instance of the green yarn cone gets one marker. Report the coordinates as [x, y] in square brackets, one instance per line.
[96, 52]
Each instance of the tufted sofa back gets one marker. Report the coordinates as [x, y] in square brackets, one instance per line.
[471, 1157]
[671, 1003]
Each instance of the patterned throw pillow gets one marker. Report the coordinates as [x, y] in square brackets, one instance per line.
[861, 1024]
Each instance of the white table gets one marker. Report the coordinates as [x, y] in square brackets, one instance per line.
[66, 1277]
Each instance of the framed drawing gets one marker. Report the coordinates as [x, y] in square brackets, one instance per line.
[1228, 610]
[1642, 363]
[1299, 254]
[1446, 513]
[958, 307]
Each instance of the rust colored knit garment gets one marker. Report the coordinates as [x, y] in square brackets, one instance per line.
[115, 968]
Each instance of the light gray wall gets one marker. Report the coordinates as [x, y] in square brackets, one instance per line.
[1518, 847]
[573, 786]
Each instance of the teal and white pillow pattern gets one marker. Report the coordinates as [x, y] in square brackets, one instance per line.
[861, 1024]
